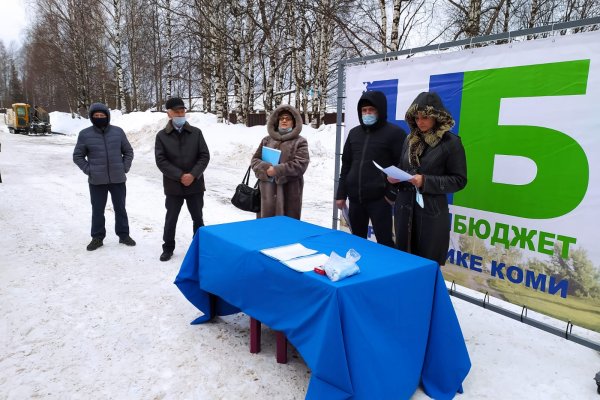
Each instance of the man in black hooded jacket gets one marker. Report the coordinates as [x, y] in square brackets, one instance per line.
[375, 139]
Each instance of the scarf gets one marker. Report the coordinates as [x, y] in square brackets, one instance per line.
[418, 141]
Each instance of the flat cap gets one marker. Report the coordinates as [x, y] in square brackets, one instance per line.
[174, 103]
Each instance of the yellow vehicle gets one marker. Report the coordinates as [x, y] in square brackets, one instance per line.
[22, 118]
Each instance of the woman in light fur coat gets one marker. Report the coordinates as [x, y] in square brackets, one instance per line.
[281, 184]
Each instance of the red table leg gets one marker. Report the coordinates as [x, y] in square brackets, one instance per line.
[281, 348]
[254, 335]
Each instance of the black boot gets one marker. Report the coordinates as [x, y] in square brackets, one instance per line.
[94, 244]
[127, 240]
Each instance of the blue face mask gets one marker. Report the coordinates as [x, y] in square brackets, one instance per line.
[283, 131]
[369, 119]
[178, 122]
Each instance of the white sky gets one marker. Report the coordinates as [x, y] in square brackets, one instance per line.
[12, 21]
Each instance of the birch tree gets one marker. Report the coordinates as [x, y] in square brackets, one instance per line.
[383, 26]
[119, 54]
[114, 10]
[133, 54]
[268, 20]
[237, 14]
[322, 73]
[169, 43]
[138, 23]
[78, 45]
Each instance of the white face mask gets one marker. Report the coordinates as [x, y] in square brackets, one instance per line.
[178, 122]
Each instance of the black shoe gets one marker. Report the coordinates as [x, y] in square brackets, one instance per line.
[94, 244]
[127, 240]
[166, 255]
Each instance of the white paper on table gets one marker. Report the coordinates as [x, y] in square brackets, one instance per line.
[288, 252]
[395, 172]
[308, 263]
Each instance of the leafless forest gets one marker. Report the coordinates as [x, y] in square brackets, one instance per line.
[234, 56]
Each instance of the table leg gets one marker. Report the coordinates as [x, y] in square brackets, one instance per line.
[281, 348]
[254, 335]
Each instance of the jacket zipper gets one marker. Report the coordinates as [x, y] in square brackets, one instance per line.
[362, 160]
[179, 136]
[107, 161]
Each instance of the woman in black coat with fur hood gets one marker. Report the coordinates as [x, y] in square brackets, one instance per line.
[436, 159]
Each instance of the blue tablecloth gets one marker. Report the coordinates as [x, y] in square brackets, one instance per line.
[375, 335]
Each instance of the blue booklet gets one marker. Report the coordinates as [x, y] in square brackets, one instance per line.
[271, 155]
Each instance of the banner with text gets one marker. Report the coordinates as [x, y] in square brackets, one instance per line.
[524, 228]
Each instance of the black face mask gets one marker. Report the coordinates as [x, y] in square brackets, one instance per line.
[100, 122]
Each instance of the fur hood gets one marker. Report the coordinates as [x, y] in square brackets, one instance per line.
[273, 123]
[430, 104]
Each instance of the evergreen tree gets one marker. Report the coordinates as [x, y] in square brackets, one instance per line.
[15, 86]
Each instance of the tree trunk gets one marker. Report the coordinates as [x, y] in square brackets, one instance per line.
[119, 56]
[158, 58]
[169, 42]
[218, 93]
[270, 54]
[237, 62]
[383, 28]
[394, 40]
[324, 69]
[535, 9]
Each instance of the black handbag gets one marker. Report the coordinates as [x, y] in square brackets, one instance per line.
[247, 198]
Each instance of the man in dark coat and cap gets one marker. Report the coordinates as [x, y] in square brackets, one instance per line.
[370, 195]
[104, 154]
[182, 156]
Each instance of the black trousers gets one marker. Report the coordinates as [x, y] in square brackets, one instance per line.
[380, 214]
[98, 197]
[195, 203]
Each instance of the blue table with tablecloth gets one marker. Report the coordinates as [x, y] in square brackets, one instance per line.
[374, 335]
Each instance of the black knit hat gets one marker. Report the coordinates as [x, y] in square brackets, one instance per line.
[365, 102]
[174, 103]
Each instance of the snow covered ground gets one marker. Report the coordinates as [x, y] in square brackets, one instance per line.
[111, 324]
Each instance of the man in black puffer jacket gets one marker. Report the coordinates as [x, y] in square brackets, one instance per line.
[182, 156]
[104, 154]
[361, 181]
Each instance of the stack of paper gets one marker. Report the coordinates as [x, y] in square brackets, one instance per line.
[296, 256]
[305, 264]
